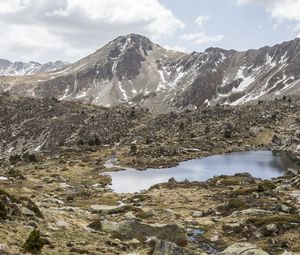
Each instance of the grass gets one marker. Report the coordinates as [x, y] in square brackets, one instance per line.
[279, 219]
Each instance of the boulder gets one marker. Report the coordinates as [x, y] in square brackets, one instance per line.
[132, 229]
[197, 214]
[272, 228]
[255, 212]
[109, 209]
[296, 196]
[243, 248]
[27, 212]
[276, 140]
[163, 247]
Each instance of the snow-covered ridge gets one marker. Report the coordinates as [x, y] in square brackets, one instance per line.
[8, 68]
[131, 69]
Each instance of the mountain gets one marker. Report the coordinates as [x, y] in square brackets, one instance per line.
[8, 68]
[133, 70]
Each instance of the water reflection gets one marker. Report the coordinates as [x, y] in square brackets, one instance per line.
[261, 164]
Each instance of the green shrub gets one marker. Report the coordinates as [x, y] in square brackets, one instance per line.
[133, 149]
[34, 243]
[14, 159]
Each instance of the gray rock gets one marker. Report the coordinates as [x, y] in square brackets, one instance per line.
[272, 228]
[33, 224]
[243, 248]
[276, 140]
[130, 216]
[255, 212]
[197, 214]
[285, 208]
[109, 209]
[172, 180]
[289, 253]
[163, 247]
[62, 224]
[296, 196]
[128, 230]
[27, 212]
[291, 172]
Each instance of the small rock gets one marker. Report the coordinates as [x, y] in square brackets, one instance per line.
[3, 246]
[109, 209]
[130, 216]
[27, 212]
[172, 180]
[163, 247]
[214, 239]
[285, 208]
[197, 214]
[272, 228]
[33, 224]
[276, 140]
[255, 212]
[296, 196]
[243, 248]
[62, 224]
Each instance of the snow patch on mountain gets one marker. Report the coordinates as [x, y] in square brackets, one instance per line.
[8, 68]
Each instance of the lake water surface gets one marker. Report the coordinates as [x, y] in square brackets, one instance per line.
[260, 164]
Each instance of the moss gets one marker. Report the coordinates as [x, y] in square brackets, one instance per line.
[11, 197]
[242, 192]
[235, 203]
[34, 243]
[279, 219]
[265, 186]
[96, 225]
[261, 187]
[144, 215]
[230, 181]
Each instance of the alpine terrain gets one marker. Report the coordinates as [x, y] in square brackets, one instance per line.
[132, 69]
[140, 150]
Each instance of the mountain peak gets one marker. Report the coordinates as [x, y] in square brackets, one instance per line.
[134, 40]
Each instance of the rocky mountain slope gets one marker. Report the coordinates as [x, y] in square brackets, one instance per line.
[132, 69]
[47, 126]
[8, 68]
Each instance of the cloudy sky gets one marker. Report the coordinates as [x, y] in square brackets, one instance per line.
[43, 30]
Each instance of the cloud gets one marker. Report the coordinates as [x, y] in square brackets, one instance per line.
[201, 38]
[176, 48]
[69, 29]
[200, 20]
[281, 10]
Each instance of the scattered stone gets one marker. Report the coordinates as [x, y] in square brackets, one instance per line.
[276, 140]
[296, 196]
[214, 239]
[163, 247]
[172, 180]
[27, 212]
[197, 214]
[33, 224]
[127, 230]
[255, 212]
[109, 209]
[130, 216]
[272, 228]
[62, 224]
[243, 248]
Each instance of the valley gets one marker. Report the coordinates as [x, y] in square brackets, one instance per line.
[54, 155]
